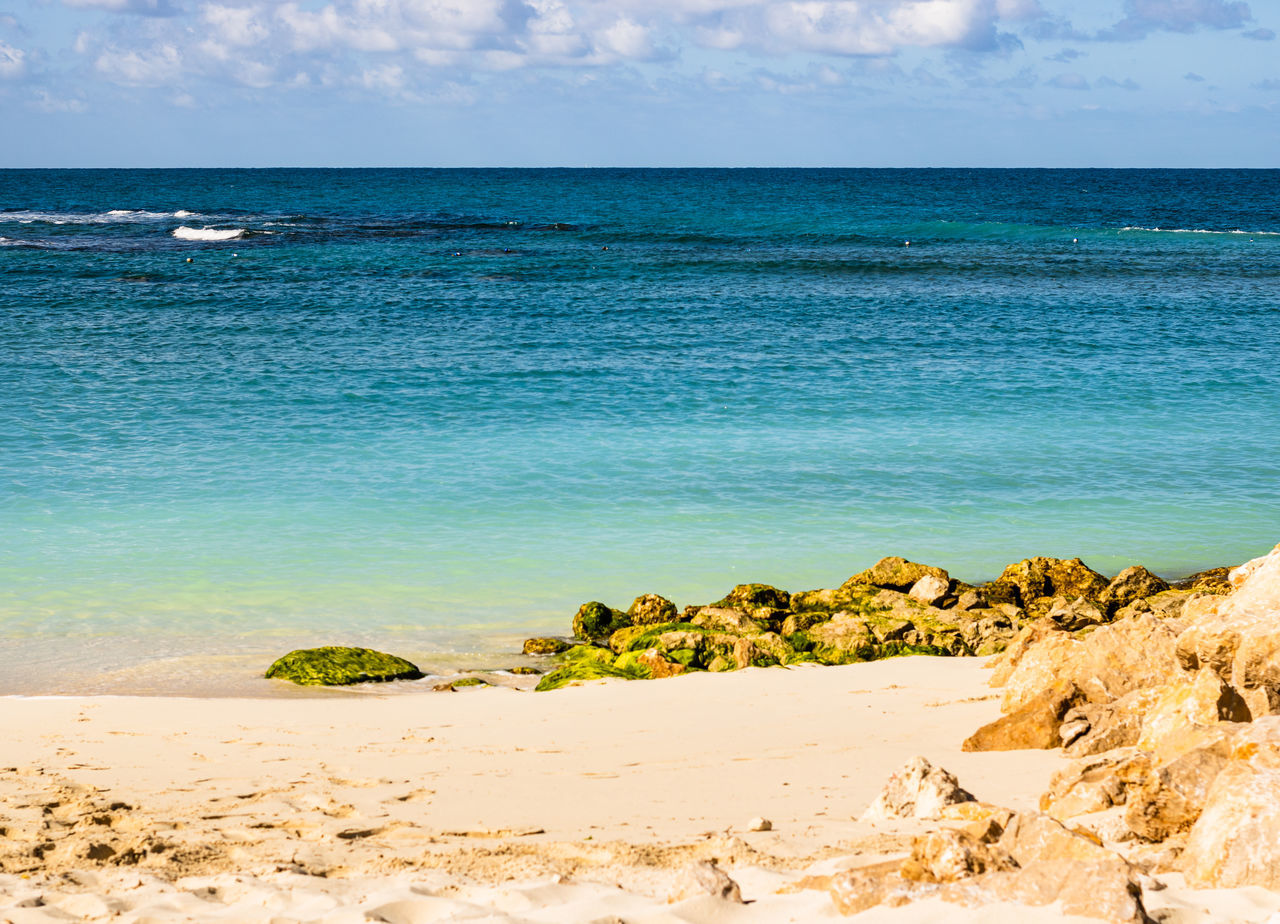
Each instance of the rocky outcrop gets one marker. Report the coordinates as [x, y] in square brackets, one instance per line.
[1053, 577]
[338, 666]
[1133, 583]
[594, 620]
[545, 646]
[651, 609]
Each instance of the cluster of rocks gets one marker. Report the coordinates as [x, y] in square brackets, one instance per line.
[1171, 715]
[895, 607]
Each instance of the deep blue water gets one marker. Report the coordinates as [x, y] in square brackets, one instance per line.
[434, 410]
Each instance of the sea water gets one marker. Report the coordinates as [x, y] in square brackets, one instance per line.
[435, 410]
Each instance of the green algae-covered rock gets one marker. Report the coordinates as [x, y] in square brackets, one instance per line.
[594, 620]
[651, 609]
[337, 666]
[753, 596]
[545, 646]
[586, 662]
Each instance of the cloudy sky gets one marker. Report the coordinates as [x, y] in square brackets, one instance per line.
[640, 82]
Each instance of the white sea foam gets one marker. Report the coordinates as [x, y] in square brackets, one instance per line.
[112, 216]
[1200, 231]
[182, 213]
[208, 234]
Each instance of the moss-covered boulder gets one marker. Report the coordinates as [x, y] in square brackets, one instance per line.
[586, 662]
[725, 619]
[545, 646]
[849, 598]
[338, 666]
[754, 596]
[896, 573]
[651, 663]
[651, 609]
[595, 621]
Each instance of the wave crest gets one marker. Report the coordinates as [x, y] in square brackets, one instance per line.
[184, 233]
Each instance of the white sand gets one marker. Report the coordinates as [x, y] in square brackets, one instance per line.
[575, 806]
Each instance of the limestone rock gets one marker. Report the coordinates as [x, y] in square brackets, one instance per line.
[974, 599]
[650, 662]
[948, 855]
[1033, 837]
[705, 877]
[651, 609]
[594, 620]
[1109, 662]
[1133, 583]
[1090, 785]
[338, 666]
[1206, 700]
[916, 790]
[930, 589]
[1035, 724]
[1171, 798]
[1001, 591]
[1236, 840]
[1103, 889]
[1167, 604]
[1117, 724]
[856, 890]
[1075, 615]
[545, 646]
[1238, 636]
[1027, 637]
[845, 635]
[753, 596]
[896, 573]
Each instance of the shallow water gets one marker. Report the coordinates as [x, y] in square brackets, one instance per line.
[429, 410]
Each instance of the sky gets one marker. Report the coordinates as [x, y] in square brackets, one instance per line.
[982, 83]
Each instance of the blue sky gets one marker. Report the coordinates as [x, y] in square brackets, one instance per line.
[639, 82]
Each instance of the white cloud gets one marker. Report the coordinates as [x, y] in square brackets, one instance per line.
[13, 63]
[156, 68]
[1143, 17]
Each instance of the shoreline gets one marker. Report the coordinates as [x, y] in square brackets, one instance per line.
[236, 663]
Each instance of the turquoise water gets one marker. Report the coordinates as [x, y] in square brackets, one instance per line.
[429, 410]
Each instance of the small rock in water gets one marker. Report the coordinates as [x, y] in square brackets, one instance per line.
[760, 824]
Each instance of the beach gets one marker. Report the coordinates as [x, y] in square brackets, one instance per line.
[580, 805]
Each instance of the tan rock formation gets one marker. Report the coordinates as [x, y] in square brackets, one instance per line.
[917, 790]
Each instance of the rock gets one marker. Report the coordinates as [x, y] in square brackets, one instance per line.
[594, 621]
[725, 619]
[525, 671]
[651, 609]
[916, 790]
[1236, 840]
[975, 599]
[930, 589]
[1238, 636]
[650, 663]
[1104, 889]
[1168, 800]
[705, 878]
[1027, 638]
[856, 890]
[1053, 577]
[1001, 591]
[1212, 581]
[1035, 724]
[948, 855]
[1167, 604]
[760, 824]
[896, 574]
[753, 596]
[1091, 785]
[545, 646]
[849, 597]
[584, 663]
[337, 666]
[1076, 615]
[1109, 662]
[1117, 724]
[842, 639]
[1133, 583]
[1034, 837]
[985, 631]
[1205, 700]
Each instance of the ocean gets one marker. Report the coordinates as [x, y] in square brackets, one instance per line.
[433, 411]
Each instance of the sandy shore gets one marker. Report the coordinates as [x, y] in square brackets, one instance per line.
[581, 805]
